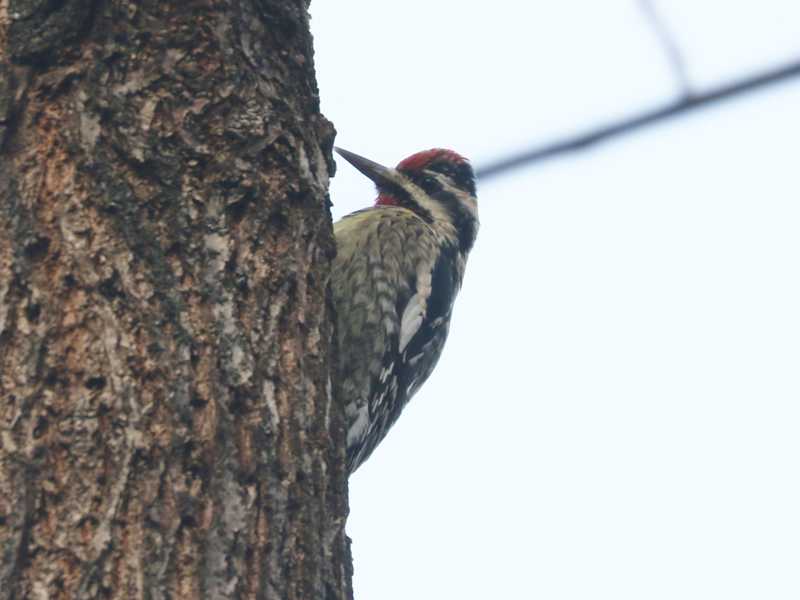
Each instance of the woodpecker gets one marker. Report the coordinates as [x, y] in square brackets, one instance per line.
[397, 272]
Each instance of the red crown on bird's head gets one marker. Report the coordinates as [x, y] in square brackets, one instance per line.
[420, 160]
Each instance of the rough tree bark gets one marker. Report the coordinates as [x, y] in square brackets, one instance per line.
[166, 422]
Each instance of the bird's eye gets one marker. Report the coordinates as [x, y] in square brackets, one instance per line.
[428, 181]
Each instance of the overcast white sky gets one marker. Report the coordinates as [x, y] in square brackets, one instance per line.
[617, 411]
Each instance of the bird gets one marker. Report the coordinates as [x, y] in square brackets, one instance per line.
[398, 268]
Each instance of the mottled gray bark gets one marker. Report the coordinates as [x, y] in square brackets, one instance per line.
[166, 425]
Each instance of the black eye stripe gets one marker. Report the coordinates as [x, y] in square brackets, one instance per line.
[460, 174]
[429, 183]
[432, 184]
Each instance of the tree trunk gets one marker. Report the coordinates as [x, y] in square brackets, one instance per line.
[166, 422]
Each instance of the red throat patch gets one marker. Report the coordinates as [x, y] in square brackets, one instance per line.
[385, 199]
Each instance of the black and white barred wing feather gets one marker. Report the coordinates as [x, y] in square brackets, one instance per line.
[399, 292]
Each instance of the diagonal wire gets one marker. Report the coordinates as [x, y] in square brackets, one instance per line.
[582, 141]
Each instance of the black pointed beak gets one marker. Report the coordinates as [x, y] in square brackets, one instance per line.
[378, 173]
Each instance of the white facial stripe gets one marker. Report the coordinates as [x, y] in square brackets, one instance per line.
[437, 211]
[465, 198]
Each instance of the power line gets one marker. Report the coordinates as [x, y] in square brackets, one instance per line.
[670, 110]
